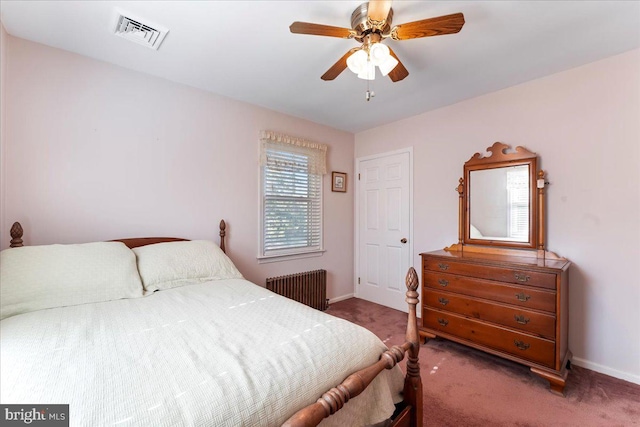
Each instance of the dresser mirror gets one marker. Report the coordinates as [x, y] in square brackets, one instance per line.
[500, 202]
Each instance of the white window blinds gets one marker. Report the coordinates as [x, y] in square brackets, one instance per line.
[291, 195]
[518, 194]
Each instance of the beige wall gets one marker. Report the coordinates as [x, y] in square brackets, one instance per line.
[95, 151]
[3, 68]
[585, 125]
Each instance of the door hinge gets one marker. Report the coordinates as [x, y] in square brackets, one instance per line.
[358, 280]
[358, 177]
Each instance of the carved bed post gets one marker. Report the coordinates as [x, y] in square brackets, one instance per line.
[334, 399]
[16, 235]
[412, 381]
[223, 232]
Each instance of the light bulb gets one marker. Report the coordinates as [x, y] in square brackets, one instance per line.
[369, 71]
[357, 62]
[378, 53]
[388, 65]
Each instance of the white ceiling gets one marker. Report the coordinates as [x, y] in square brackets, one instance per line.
[244, 50]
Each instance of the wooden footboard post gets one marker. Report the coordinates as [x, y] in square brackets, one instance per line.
[412, 381]
[334, 399]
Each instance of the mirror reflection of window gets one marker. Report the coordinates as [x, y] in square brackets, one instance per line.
[499, 204]
[518, 195]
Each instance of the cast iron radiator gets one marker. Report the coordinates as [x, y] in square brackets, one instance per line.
[309, 288]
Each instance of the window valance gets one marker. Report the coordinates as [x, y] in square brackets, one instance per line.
[315, 153]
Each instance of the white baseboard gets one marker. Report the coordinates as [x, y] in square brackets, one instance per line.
[606, 370]
[342, 298]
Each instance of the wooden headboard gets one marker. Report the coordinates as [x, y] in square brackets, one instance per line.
[17, 232]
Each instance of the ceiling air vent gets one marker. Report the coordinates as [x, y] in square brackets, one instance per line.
[146, 34]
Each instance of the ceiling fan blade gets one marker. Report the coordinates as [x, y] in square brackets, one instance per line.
[320, 30]
[378, 10]
[338, 67]
[399, 72]
[448, 24]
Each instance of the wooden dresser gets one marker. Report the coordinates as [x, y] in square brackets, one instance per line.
[515, 307]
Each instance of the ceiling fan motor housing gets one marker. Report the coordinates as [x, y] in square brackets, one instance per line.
[361, 24]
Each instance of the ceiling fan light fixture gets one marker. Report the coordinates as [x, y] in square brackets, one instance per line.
[378, 53]
[387, 66]
[357, 62]
[371, 25]
[369, 71]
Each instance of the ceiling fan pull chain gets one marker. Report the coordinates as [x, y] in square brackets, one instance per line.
[369, 93]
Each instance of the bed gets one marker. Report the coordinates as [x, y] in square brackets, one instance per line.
[166, 332]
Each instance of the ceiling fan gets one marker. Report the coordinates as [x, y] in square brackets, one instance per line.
[370, 26]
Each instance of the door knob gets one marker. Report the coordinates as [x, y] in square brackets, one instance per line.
[403, 240]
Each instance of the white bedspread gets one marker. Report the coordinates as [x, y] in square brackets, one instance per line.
[223, 353]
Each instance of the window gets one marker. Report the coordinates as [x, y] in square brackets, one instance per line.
[518, 196]
[291, 190]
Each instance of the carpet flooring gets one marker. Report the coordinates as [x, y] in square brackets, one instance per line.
[467, 387]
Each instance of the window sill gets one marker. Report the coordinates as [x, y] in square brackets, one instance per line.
[262, 259]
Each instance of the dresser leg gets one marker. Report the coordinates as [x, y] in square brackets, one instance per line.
[427, 336]
[556, 381]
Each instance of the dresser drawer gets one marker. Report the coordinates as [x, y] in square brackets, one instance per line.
[521, 345]
[513, 317]
[523, 296]
[502, 274]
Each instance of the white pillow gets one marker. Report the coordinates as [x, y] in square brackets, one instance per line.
[474, 233]
[38, 277]
[172, 264]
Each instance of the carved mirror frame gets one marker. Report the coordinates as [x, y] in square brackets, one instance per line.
[502, 156]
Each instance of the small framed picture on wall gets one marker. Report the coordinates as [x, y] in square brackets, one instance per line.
[339, 182]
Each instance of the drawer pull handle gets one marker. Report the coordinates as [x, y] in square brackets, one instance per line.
[522, 278]
[444, 301]
[443, 322]
[521, 345]
[523, 297]
[521, 319]
[443, 267]
[443, 282]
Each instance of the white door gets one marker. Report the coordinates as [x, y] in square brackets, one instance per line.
[384, 246]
